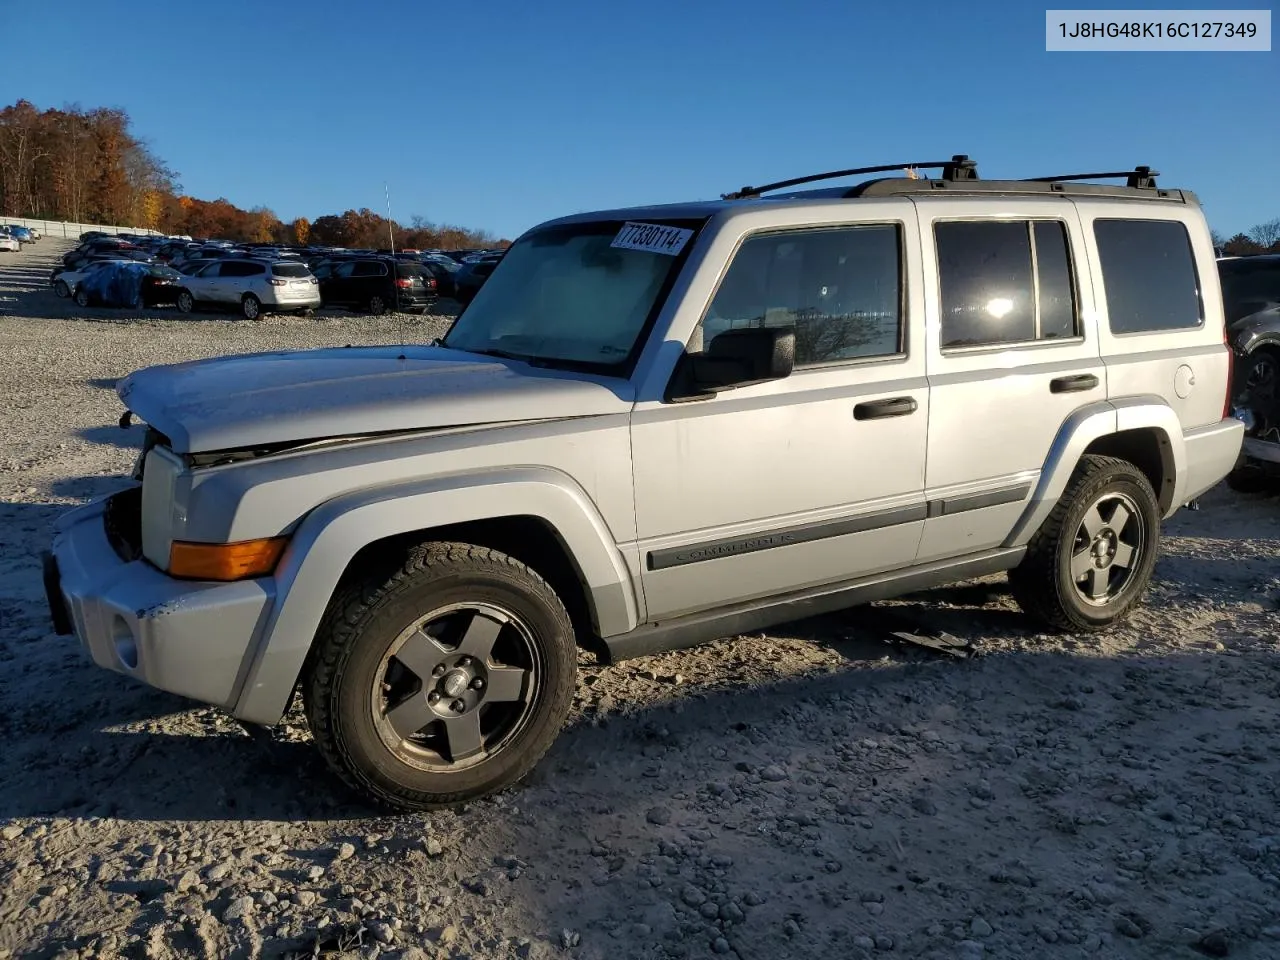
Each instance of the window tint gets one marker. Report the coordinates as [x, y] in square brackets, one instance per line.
[408, 270]
[344, 269]
[290, 270]
[369, 268]
[840, 289]
[1149, 275]
[212, 270]
[988, 275]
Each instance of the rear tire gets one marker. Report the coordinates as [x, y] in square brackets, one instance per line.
[1091, 561]
[440, 680]
[251, 307]
[186, 302]
[82, 297]
[61, 289]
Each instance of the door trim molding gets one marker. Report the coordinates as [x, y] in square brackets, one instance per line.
[722, 547]
[782, 537]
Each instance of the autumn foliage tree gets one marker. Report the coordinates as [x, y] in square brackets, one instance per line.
[87, 166]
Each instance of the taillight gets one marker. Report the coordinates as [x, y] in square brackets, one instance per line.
[404, 283]
[277, 282]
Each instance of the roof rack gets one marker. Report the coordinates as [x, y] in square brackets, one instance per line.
[1139, 178]
[959, 167]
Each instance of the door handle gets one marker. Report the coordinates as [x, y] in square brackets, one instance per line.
[1082, 381]
[879, 409]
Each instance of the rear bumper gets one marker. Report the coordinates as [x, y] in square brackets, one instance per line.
[414, 301]
[309, 300]
[1211, 453]
[188, 638]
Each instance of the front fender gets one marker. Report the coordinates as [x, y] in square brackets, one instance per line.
[1083, 427]
[329, 536]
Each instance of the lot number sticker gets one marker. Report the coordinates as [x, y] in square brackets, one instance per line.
[652, 238]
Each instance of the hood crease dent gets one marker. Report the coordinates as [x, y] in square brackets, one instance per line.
[268, 399]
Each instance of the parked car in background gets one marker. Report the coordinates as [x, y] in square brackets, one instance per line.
[65, 280]
[471, 276]
[191, 267]
[443, 272]
[252, 287]
[128, 283]
[1251, 299]
[374, 284]
[21, 234]
[9, 242]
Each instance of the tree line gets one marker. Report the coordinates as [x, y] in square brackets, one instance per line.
[1264, 238]
[87, 166]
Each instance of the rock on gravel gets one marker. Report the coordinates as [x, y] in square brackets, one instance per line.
[1084, 788]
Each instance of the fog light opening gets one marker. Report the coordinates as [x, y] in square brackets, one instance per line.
[126, 646]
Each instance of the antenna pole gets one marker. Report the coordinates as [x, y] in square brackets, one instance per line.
[390, 231]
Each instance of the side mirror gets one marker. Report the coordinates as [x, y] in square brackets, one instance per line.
[735, 358]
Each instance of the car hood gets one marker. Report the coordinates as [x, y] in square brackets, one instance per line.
[254, 400]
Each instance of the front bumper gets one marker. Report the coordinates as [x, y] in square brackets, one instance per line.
[187, 637]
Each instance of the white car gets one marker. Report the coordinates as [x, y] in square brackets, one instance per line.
[66, 281]
[252, 287]
[8, 242]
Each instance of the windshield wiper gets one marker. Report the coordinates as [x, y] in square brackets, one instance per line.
[509, 355]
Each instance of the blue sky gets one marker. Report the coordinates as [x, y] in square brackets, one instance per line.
[499, 114]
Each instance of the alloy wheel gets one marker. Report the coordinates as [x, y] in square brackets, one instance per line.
[1107, 548]
[456, 686]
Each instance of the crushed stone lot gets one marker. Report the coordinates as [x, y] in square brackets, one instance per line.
[817, 792]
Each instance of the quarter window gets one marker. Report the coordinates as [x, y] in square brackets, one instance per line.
[1005, 281]
[1149, 275]
[839, 289]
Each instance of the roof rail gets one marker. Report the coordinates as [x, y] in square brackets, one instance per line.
[1139, 178]
[959, 167]
[901, 186]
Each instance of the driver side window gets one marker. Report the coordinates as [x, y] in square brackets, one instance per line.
[839, 288]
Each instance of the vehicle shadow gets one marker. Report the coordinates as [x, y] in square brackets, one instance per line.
[114, 435]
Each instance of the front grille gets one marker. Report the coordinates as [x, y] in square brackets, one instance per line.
[123, 522]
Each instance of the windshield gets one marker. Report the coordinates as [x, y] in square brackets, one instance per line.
[580, 293]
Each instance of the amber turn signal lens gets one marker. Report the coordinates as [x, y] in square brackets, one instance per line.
[225, 561]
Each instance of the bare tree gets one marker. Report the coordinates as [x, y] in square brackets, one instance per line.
[1266, 234]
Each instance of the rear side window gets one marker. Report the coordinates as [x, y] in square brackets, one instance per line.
[290, 270]
[1004, 282]
[1149, 275]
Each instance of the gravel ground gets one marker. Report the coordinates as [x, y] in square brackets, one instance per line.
[817, 792]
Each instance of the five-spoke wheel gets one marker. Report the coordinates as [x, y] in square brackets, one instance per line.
[1091, 560]
[441, 676]
[455, 686]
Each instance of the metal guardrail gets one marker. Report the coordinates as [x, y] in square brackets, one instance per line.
[70, 231]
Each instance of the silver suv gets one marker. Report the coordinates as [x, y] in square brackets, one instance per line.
[656, 426]
[251, 286]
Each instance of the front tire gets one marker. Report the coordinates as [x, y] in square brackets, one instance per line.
[1091, 561]
[440, 681]
[377, 306]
